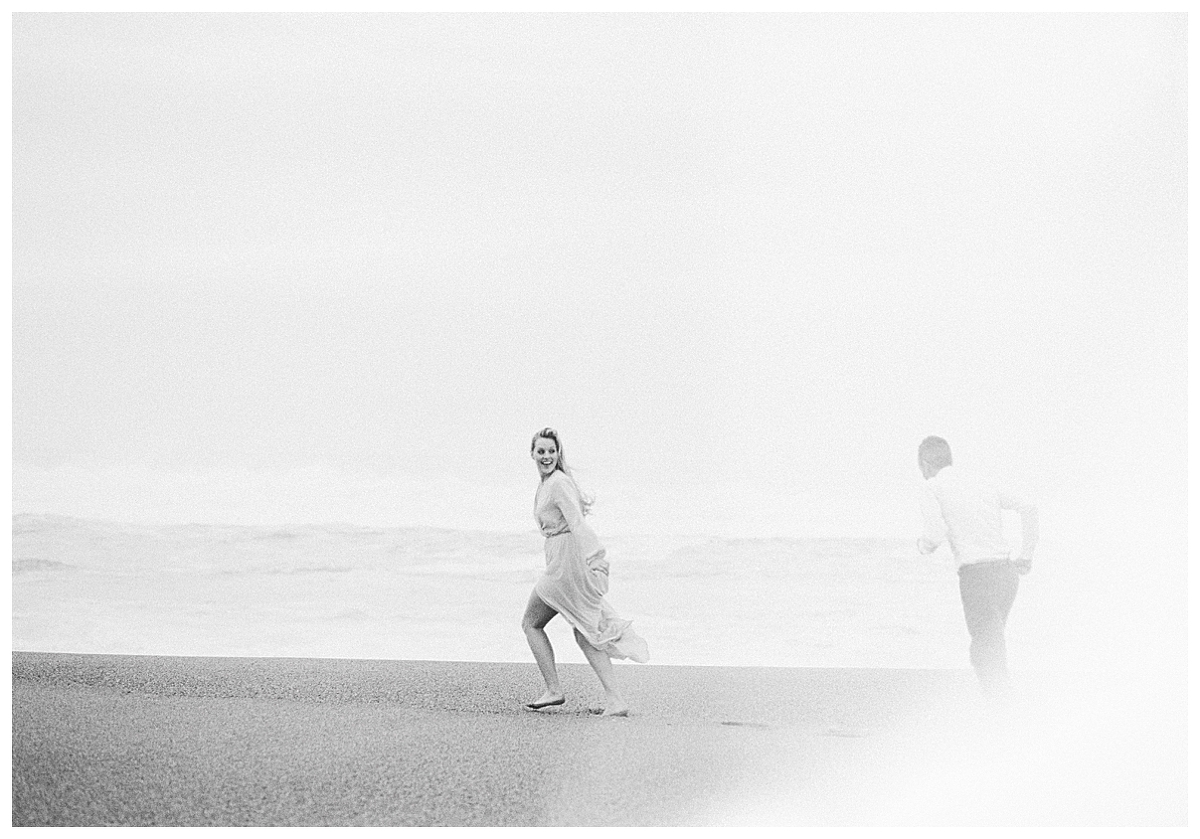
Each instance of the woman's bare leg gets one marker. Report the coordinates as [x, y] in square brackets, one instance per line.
[614, 705]
[537, 615]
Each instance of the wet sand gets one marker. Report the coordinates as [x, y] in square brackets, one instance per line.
[142, 740]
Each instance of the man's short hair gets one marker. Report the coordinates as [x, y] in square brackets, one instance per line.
[935, 451]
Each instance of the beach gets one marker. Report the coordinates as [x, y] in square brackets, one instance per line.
[149, 740]
[338, 675]
[293, 294]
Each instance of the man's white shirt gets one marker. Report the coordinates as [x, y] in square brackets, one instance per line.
[966, 512]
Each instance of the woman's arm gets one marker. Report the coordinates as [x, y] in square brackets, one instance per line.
[566, 498]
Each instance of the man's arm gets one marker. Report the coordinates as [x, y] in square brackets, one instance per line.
[1029, 529]
[934, 532]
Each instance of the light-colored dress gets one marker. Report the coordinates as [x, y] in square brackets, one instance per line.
[576, 577]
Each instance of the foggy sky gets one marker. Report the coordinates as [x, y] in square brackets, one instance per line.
[272, 269]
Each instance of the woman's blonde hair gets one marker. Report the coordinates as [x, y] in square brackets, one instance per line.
[585, 501]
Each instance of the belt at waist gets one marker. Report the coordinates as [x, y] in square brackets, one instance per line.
[987, 563]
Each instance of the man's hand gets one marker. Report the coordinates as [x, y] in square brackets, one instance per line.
[1023, 565]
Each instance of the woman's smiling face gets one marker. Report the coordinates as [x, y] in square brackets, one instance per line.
[545, 455]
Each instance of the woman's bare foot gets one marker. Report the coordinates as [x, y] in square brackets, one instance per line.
[548, 699]
[611, 710]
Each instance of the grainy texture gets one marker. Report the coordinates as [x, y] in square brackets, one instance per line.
[129, 740]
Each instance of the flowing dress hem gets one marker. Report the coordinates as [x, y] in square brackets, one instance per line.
[623, 644]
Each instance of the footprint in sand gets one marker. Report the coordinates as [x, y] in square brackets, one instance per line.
[846, 731]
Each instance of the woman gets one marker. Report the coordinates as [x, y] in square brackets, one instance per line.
[574, 584]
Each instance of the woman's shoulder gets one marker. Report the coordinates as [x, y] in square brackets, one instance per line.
[560, 480]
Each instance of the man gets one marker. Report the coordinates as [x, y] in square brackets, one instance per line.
[965, 512]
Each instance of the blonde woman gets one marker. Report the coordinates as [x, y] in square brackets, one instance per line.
[573, 584]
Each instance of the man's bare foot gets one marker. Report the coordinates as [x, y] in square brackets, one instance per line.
[546, 700]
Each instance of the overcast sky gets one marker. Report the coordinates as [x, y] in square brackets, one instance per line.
[307, 269]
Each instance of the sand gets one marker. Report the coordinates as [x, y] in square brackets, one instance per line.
[141, 740]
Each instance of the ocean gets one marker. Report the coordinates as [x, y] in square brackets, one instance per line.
[423, 593]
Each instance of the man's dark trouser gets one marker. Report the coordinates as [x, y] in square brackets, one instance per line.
[988, 590]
